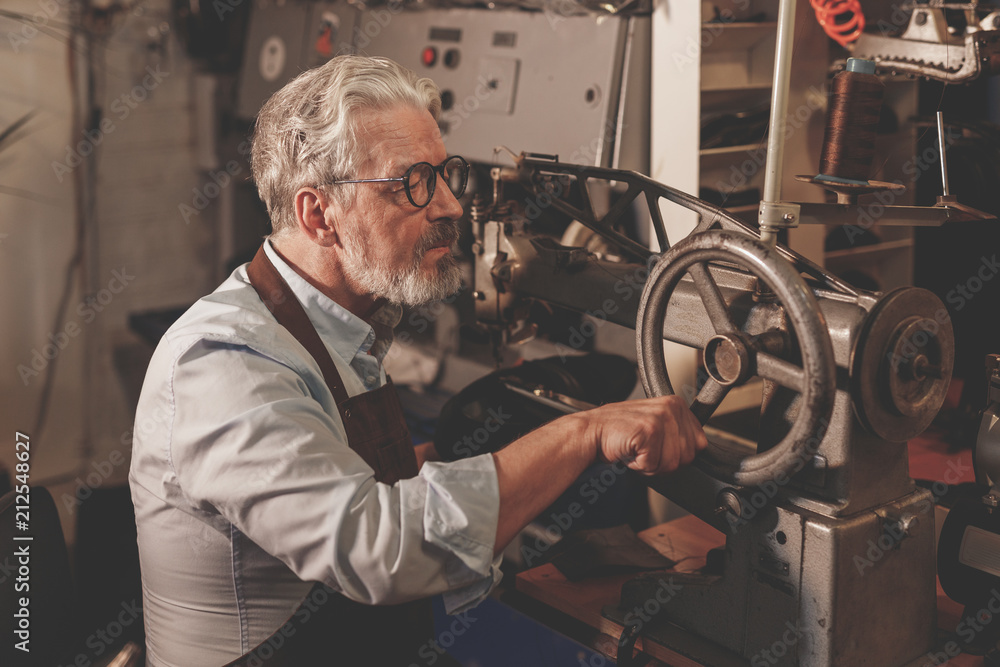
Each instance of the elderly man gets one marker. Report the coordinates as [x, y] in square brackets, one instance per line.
[280, 506]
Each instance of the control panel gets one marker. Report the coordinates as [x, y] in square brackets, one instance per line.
[515, 78]
[526, 80]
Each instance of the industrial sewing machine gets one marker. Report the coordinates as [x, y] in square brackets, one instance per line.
[826, 532]
[828, 539]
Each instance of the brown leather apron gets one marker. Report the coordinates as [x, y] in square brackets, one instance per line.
[328, 628]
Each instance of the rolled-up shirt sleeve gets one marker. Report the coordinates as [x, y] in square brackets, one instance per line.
[273, 460]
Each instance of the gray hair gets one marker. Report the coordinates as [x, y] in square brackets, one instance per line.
[307, 133]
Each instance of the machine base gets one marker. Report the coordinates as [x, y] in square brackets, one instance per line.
[866, 597]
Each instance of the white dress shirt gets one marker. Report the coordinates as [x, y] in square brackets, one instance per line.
[246, 491]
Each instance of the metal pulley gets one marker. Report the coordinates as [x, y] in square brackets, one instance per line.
[902, 364]
[733, 355]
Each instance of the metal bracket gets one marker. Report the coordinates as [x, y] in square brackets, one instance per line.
[778, 215]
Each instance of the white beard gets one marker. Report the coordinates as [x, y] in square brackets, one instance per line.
[406, 286]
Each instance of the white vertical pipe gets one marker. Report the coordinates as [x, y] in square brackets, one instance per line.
[779, 111]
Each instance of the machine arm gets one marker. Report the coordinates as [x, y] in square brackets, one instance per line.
[549, 178]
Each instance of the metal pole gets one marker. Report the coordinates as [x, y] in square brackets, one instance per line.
[776, 130]
[944, 161]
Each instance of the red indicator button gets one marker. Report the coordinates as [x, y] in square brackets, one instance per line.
[429, 56]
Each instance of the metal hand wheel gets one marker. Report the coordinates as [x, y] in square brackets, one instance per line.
[732, 356]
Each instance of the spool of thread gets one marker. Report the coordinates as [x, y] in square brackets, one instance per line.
[851, 124]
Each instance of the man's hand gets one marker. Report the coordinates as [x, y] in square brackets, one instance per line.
[652, 435]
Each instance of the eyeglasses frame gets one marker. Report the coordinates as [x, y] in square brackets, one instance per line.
[405, 179]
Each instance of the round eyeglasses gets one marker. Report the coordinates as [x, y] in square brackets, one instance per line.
[420, 180]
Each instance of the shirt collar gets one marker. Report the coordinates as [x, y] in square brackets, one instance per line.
[342, 330]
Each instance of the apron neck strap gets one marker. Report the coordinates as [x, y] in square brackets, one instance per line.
[279, 299]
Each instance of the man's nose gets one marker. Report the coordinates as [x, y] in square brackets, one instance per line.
[444, 203]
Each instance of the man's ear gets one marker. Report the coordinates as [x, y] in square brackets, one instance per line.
[311, 214]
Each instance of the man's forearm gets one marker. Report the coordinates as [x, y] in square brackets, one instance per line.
[534, 470]
[654, 435]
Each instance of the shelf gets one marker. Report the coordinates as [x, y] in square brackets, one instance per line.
[868, 252]
[733, 156]
[765, 85]
[729, 150]
[718, 100]
[736, 36]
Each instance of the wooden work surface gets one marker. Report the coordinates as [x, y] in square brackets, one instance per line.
[686, 541]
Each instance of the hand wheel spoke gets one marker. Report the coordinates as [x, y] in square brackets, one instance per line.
[784, 373]
[718, 311]
[708, 399]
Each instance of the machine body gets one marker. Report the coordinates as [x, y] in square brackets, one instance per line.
[827, 535]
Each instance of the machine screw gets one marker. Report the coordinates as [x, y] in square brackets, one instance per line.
[479, 296]
[788, 217]
[921, 18]
[923, 368]
[728, 501]
[904, 525]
